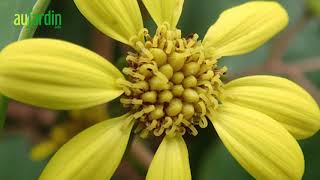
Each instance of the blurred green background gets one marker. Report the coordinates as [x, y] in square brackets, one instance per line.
[208, 157]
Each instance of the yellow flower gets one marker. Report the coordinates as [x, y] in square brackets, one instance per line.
[62, 132]
[173, 87]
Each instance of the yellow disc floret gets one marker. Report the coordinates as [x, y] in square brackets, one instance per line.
[172, 84]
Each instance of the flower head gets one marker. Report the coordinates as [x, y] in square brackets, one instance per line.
[172, 87]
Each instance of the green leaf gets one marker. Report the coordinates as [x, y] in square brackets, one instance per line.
[15, 162]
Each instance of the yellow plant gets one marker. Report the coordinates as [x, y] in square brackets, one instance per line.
[172, 86]
[78, 120]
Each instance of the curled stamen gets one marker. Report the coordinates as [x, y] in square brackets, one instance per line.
[179, 120]
[144, 50]
[168, 122]
[171, 132]
[130, 72]
[181, 130]
[153, 125]
[194, 131]
[203, 108]
[203, 123]
[158, 132]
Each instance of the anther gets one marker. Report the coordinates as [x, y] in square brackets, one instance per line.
[177, 90]
[167, 70]
[157, 113]
[189, 82]
[174, 108]
[190, 95]
[191, 68]
[187, 110]
[157, 83]
[160, 57]
[165, 96]
[150, 97]
[176, 60]
[177, 77]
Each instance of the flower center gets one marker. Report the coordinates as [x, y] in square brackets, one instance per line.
[171, 84]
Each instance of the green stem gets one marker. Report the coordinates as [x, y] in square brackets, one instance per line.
[27, 32]
[39, 8]
[3, 109]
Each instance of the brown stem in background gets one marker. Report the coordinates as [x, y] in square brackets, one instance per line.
[307, 65]
[142, 153]
[126, 171]
[281, 44]
[295, 71]
[102, 45]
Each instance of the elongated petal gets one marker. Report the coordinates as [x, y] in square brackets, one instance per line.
[93, 154]
[119, 19]
[165, 11]
[244, 28]
[280, 99]
[171, 161]
[260, 144]
[56, 74]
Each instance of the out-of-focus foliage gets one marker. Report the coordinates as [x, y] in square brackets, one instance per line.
[314, 7]
[15, 163]
[305, 44]
[209, 159]
[3, 109]
[10, 32]
[218, 163]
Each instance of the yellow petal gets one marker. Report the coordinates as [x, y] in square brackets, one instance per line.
[119, 19]
[43, 150]
[260, 144]
[280, 99]
[56, 74]
[165, 11]
[93, 154]
[244, 28]
[171, 161]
